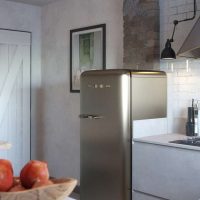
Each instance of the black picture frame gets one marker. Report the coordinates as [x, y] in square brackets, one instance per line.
[84, 42]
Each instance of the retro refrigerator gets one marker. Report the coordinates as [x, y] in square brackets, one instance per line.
[109, 101]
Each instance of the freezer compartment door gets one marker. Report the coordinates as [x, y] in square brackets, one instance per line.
[105, 137]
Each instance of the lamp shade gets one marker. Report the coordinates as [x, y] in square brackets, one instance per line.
[168, 52]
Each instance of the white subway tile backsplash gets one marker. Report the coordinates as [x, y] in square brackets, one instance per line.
[190, 14]
[179, 125]
[182, 87]
[149, 127]
[173, 11]
[175, 3]
[183, 9]
[180, 80]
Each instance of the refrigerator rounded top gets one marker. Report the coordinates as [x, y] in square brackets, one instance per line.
[122, 71]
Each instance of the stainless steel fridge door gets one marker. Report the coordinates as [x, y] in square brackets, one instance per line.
[105, 135]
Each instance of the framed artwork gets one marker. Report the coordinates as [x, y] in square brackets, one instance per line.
[87, 52]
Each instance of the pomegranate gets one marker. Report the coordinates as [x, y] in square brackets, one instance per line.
[6, 178]
[34, 171]
[7, 163]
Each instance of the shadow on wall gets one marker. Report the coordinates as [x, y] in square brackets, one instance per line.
[37, 147]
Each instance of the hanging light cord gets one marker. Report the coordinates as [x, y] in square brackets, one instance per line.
[184, 20]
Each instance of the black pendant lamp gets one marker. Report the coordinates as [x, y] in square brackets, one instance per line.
[168, 53]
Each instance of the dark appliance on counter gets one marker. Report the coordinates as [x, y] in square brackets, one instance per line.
[192, 128]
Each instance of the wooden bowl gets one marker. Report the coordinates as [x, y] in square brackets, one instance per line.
[57, 191]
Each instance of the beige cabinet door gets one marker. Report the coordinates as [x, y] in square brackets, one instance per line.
[15, 96]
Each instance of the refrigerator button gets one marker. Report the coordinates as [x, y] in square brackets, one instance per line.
[101, 86]
[95, 86]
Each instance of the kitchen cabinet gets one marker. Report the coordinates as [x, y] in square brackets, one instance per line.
[165, 171]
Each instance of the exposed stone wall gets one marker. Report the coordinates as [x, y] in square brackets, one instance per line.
[141, 34]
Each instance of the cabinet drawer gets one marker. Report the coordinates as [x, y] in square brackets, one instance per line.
[167, 172]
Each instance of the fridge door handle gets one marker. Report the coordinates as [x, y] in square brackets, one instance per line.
[88, 116]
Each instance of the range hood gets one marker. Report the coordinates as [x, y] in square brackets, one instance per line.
[191, 46]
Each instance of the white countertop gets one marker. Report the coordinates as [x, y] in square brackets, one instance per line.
[164, 139]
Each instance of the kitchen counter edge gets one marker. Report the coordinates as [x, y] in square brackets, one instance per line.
[164, 140]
